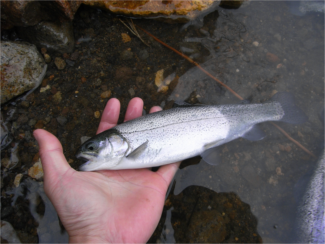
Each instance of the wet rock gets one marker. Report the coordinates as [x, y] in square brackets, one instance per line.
[6, 137]
[123, 73]
[59, 63]
[22, 119]
[98, 82]
[57, 97]
[97, 114]
[5, 162]
[131, 92]
[106, 94]
[8, 233]
[62, 120]
[17, 180]
[125, 37]
[22, 68]
[54, 36]
[44, 89]
[32, 122]
[74, 56]
[126, 54]
[36, 171]
[143, 54]
[47, 58]
[70, 63]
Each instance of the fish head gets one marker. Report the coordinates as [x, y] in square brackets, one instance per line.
[104, 151]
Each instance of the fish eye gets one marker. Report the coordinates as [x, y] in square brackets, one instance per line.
[91, 146]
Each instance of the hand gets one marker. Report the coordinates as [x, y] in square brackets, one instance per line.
[104, 206]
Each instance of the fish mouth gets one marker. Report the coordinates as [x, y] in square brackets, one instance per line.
[86, 156]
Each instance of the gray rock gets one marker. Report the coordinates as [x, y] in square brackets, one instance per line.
[5, 135]
[32, 122]
[131, 92]
[143, 54]
[17, 60]
[70, 63]
[62, 120]
[8, 233]
[53, 36]
[126, 55]
[59, 63]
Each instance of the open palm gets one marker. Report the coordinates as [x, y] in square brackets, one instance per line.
[104, 206]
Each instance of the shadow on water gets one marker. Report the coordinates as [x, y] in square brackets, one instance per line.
[249, 195]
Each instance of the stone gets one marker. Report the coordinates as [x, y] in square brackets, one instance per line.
[24, 104]
[17, 180]
[143, 54]
[123, 73]
[22, 68]
[125, 37]
[5, 162]
[126, 55]
[106, 94]
[272, 57]
[5, 135]
[74, 56]
[57, 97]
[52, 35]
[32, 122]
[47, 58]
[97, 114]
[59, 63]
[70, 63]
[8, 233]
[36, 171]
[22, 119]
[62, 120]
[131, 92]
[43, 89]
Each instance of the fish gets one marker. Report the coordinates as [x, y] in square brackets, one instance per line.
[310, 227]
[301, 8]
[183, 132]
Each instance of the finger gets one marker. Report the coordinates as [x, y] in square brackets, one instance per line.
[155, 109]
[51, 154]
[168, 171]
[110, 115]
[134, 109]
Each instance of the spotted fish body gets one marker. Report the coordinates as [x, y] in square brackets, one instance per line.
[173, 135]
[311, 210]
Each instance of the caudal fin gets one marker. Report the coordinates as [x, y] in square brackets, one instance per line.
[292, 114]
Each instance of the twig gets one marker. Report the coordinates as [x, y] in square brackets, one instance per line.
[227, 87]
[133, 30]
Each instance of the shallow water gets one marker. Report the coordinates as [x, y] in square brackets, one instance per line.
[251, 194]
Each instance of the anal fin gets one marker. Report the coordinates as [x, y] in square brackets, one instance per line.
[254, 134]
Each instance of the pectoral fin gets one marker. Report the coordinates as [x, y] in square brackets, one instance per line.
[210, 155]
[136, 153]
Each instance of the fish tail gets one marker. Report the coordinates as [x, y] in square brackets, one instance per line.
[292, 114]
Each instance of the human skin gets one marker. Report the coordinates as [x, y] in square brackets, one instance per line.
[104, 206]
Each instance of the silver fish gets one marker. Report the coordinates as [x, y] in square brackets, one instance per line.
[311, 211]
[182, 132]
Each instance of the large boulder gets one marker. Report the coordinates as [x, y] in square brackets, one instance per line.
[29, 12]
[22, 69]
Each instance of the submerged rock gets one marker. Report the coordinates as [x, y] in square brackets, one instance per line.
[8, 233]
[36, 171]
[22, 69]
[52, 35]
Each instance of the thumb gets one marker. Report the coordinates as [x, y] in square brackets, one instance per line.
[51, 153]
